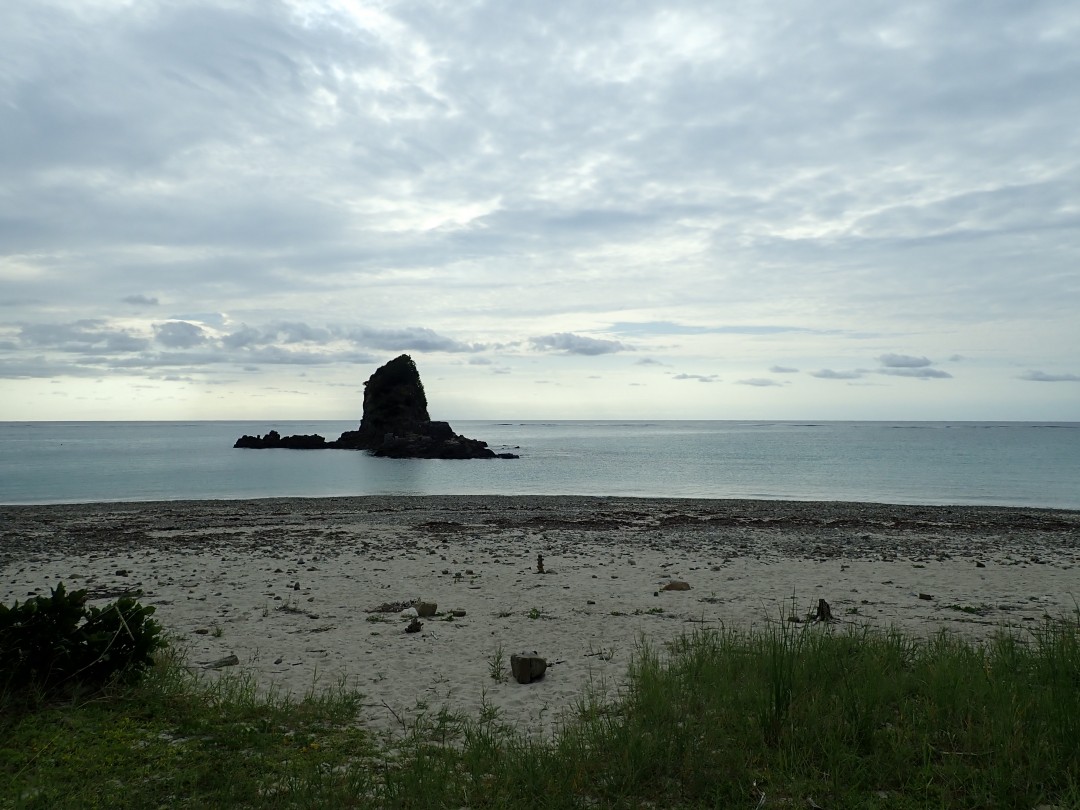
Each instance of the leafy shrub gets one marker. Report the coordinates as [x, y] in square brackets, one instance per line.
[57, 642]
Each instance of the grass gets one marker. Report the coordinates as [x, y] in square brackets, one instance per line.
[497, 665]
[789, 715]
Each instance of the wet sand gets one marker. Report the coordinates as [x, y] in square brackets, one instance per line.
[292, 587]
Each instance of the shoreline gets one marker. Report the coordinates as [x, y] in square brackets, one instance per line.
[1037, 507]
[287, 585]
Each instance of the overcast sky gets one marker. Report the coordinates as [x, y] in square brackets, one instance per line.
[678, 209]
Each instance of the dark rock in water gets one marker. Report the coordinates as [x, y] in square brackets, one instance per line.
[273, 439]
[394, 405]
[395, 423]
[302, 442]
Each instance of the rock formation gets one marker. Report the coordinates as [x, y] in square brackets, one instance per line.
[274, 439]
[395, 423]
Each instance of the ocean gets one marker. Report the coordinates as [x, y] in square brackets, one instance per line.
[971, 463]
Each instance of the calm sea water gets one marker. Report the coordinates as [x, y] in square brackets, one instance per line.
[1012, 464]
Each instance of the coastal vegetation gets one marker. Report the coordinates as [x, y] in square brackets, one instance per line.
[789, 714]
[58, 644]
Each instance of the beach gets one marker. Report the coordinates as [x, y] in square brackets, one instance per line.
[309, 592]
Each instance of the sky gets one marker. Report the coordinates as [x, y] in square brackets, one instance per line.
[688, 209]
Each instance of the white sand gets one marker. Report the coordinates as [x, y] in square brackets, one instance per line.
[231, 568]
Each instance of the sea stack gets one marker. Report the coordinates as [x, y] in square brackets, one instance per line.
[395, 423]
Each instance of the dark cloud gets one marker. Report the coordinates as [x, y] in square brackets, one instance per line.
[278, 332]
[918, 373]
[179, 334]
[1042, 376]
[760, 382]
[902, 361]
[243, 337]
[86, 336]
[570, 343]
[705, 378]
[830, 374]
[410, 339]
[783, 370]
[140, 300]
[648, 361]
[103, 347]
[39, 367]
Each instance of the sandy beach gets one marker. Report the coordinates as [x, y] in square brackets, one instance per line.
[310, 591]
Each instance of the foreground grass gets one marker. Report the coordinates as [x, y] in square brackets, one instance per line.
[787, 716]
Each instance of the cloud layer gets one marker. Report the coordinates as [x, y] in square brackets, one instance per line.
[561, 190]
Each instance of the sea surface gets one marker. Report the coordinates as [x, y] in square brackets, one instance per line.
[974, 463]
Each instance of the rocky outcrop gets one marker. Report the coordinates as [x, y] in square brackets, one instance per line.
[395, 423]
[274, 439]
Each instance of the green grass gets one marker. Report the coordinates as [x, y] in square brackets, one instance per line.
[797, 713]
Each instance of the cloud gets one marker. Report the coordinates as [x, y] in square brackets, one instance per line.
[670, 328]
[656, 328]
[243, 337]
[902, 361]
[39, 367]
[350, 178]
[179, 334]
[1042, 376]
[918, 373]
[783, 370]
[705, 378]
[297, 332]
[104, 347]
[140, 300]
[276, 332]
[411, 339]
[90, 335]
[829, 374]
[761, 382]
[570, 343]
[648, 361]
[906, 365]
[278, 355]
